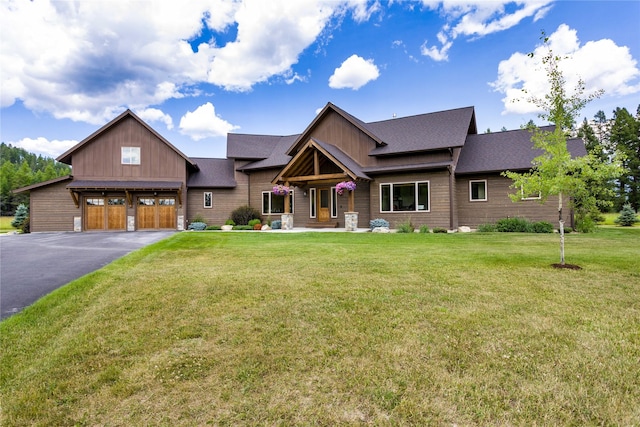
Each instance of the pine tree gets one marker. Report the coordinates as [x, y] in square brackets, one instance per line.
[627, 216]
[22, 215]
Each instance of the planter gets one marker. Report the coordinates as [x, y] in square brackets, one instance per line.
[227, 227]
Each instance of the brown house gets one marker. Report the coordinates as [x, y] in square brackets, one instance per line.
[432, 169]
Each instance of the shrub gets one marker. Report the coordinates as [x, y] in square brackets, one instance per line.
[513, 225]
[229, 222]
[439, 230]
[378, 222]
[199, 218]
[405, 227]
[276, 224]
[542, 227]
[213, 227]
[244, 214]
[243, 227]
[585, 224]
[486, 228]
[424, 229]
[254, 222]
[199, 226]
[626, 218]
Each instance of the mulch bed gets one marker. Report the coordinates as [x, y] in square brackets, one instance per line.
[568, 266]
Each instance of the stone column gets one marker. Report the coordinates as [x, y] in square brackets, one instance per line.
[287, 221]
[351, 221]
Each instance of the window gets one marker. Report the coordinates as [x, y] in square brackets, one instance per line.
[130, 155]
[312, 203]
[404, 197]
[95, 202]
[116, 202]
[534, 196]
[334, 202]
[478, 191]
[274, 204]
[208, 199]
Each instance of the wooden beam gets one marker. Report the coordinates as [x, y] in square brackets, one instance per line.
[128, 194]
[180, 197]
[316, 163]
[75, 198]
[305, 178]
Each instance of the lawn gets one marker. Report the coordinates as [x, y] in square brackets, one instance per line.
[5, 224]
[261, 328]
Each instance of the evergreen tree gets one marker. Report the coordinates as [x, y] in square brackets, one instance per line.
[22, 215]
[625, 138]
[627, 216]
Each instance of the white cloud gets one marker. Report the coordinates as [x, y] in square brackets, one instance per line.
[354, 73]
[155, 115]
[44, 147]
[204, 123]
[89, 60]
[600, 64]
[477, 19]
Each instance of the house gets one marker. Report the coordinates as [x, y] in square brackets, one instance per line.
[432, 169]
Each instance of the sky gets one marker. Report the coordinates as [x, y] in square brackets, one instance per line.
[195, 70]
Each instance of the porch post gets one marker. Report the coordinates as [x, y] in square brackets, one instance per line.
[351, 217]
[287, 216]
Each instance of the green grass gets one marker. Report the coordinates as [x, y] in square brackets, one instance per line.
[610, 218]
[336, 329]
[5, 224]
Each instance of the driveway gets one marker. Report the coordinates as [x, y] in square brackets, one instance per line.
[32, 265]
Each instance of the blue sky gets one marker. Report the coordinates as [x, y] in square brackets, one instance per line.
[195, 70]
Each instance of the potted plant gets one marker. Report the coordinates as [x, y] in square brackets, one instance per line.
[281, 190]
[343, 186]
[228, 225]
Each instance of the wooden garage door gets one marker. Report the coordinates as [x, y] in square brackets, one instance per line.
[94, 213]
[156, 212]
[116, 213]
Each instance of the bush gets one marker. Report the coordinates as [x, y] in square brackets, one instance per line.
[439, 230]
[276, 224]
[542, 227]
[244, 214]
[254, 222]
[626, 218]
[199, 218]
[405, 227]
[513, 225]
[486, 228]
[213, 227]
[229, 222]
[585, 224]
[199, 226]
[424, 229]
[243, 227]
[378, 222]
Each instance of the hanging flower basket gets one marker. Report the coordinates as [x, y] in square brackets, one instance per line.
[280, 190]
[345, 185]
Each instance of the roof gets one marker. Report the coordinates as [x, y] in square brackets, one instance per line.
[124, 185]
[424, 132]
[342, 158]
[67, 156]
[407, 168]
[500, 151]
[212, 173]
[43, 184]
[277, 157]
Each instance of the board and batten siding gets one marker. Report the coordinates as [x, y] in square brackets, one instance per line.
[52, 208]
[498, 204]
[225, 200]
[439, 209]
[101, 158]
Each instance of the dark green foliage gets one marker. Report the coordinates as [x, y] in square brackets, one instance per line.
[487, 228]
[244, 214]
[585, 224]
[405, 227]
[378, 222]
[229, 222]
[627, 216]
[243, 227]
[542, 227]
[214, 227]
[254, 222]
[197, 226]
[424, 229]
[513, 225]
[439, 230]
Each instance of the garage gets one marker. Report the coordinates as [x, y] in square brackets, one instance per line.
[105, 213]
[156, 213]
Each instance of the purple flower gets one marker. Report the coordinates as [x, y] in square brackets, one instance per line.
[345, 185]
[280, 190]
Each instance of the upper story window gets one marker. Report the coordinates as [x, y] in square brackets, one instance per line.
[404, 197]
[478, 191]
[130, 155]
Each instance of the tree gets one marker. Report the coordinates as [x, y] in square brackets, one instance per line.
[554, 172]
[627, 216]
[22, 215]
[625, 139]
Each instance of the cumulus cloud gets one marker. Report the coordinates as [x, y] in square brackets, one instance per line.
[477, 19]
[600, 64]
[155, 115]
[88, 61]
[354, 73]
[203, 122]
[44, 147]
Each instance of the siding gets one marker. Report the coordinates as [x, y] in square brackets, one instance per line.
[439, 214]
[52, 208]
[499, 205]
[224, 202]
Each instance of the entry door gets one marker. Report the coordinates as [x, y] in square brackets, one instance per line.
[324, 205]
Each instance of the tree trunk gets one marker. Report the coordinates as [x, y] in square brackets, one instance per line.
[561, 222]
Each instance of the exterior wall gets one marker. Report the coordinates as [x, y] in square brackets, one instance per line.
[100, 159]
[52, 208]
[224, 202]
[499, 205]
[439, 213]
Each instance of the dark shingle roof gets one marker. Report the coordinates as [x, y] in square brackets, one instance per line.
[424, 132]
[212, 173]
[340, 156]
[277, 157]
[511, 150]
[255, 147]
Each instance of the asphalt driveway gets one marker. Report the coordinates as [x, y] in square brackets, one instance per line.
[32, 265]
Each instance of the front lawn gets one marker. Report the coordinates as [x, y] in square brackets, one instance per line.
[336, 329]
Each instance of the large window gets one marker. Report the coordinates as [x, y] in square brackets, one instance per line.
[404, 197]
[274, 204]
[130, 155]
[312, 203]
[478, 191]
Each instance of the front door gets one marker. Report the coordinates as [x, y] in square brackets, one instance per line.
[323, 204]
